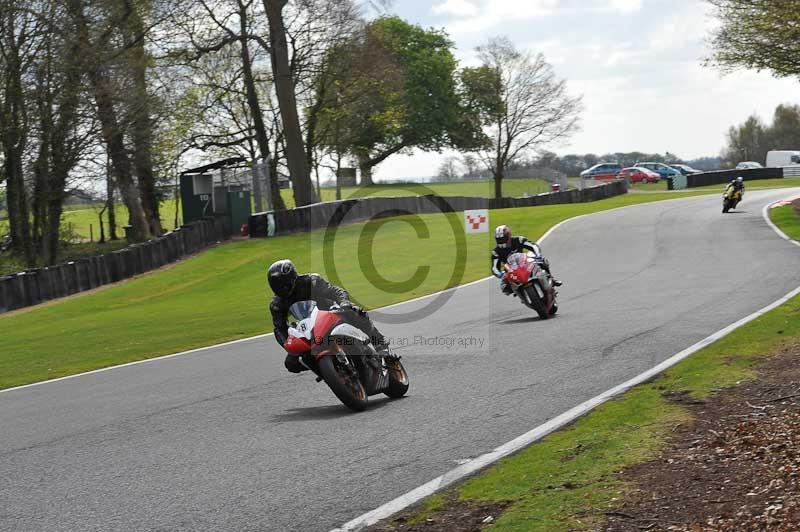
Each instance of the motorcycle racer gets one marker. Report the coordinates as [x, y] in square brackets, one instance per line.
[289, 287]
[508, 244]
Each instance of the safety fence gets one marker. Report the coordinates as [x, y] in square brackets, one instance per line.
[726, 176]
[35, 286]
[334, 213]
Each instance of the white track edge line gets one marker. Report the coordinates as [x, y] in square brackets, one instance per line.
[264, 335]
[464, 470]
[765, 215]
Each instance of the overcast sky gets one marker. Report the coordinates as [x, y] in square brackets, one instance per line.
[637, 63]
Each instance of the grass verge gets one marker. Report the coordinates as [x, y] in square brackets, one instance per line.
[569, 479]
[219, 295]
[787, 217]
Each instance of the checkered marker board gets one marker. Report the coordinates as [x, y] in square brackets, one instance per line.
[476, 221]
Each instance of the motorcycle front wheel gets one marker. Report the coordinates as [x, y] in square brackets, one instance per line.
[343, 381]
[398, 378]
[537, 303]
[726, 205]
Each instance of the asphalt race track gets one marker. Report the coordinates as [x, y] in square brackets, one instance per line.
[226, 439]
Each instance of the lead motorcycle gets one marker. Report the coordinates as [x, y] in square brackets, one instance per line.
[341, 355]
[730, 198]
[531, 283]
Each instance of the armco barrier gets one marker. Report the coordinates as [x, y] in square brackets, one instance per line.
[35, 286]
[726, 176]
[320, 215]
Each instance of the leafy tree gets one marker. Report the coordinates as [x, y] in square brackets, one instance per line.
[747, 142]
[398, 91]
[448, 170]
[785, 131]
[757, 34]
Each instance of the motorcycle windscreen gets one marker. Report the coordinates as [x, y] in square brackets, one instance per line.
[515, 260]
[302, 309]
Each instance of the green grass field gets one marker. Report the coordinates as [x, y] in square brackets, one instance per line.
[788, 219]
[219, 294]
[569, 479]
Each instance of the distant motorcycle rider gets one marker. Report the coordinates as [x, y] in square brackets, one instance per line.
[289, 287]
[738, 185]
[508, 244]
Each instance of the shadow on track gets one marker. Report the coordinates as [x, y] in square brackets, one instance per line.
[332, 411]
[528, 319]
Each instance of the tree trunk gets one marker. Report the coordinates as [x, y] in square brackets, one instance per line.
[284, 87]
[258, 117]
[100, 221]
[103, 92]
[141, 123]
[112, 215]
[14, 141]
[365, 169]
[120, 163]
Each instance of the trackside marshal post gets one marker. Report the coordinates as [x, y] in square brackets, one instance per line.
[476, 221]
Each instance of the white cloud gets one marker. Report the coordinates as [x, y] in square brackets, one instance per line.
[497, 13]
[456, 8]
[624, 5]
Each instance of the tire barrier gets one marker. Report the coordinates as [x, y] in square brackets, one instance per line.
[38, 285]
[324, 215]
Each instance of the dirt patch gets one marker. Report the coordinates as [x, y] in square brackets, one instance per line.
[455, 516]
[796, 206]
[736, 466]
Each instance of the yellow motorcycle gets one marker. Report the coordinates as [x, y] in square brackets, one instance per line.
[731, 198]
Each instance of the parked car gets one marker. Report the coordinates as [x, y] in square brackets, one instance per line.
[660, 168]
[602, 171]
[748, 165]
[685, 169]
[782, 158]
[639, 175]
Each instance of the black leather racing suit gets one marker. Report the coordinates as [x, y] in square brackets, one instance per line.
[519, 244]
[312, 287]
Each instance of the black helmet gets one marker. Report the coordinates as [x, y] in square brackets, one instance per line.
[502, 235]
[282, 276]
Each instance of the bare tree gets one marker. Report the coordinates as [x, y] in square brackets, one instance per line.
[448, 170]
[530, 108]
[471, 165]
[18, 47]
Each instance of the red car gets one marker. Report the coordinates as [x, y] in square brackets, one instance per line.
[639, 175]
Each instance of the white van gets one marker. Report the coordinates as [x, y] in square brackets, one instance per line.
[777, 159]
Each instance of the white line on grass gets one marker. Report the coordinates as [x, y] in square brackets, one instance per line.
[464, 470]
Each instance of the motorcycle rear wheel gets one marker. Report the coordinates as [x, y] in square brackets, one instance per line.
[346, 387]
[398, 378]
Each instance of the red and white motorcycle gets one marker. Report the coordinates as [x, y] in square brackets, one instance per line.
[341, 355]
[531, 283]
